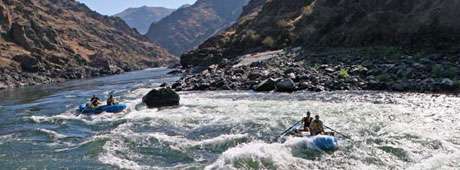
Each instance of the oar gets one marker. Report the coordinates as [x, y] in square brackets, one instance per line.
[346, 136]
[289, 129]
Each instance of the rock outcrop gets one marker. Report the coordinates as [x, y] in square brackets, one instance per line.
[188, 27]
[286, 85]
[291, 70]
[141, 18]
[44, 41]
[161, 97]
[266, 85]
[416, 25]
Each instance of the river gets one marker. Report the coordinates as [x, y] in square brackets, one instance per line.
[39, 128]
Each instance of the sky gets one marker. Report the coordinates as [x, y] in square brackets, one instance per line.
[110, 7]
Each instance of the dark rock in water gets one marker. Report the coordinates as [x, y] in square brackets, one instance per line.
[285, 85]
[447, 82]
[161, 97]
[266, 85]
[164, 85]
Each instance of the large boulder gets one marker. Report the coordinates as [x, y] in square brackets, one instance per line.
[285, 85]
[161, 97]
[266, 85]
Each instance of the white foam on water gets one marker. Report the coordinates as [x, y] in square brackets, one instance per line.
[88, 119]
[87, 141]
[6, 138]
[389, 123]
[266, 155]
[179, 142]
[112, 147]
[276, 154]
[52, 134]
[110, 159]
[123, 135]
[62, 116]
[439, 161]
[220, 139]
[389, 131]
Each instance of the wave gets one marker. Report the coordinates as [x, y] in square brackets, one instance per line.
[52, 134]
[111, 159]
[122, 148]
[439, 161]
[262, 155]
[6, 138]
[232, 130]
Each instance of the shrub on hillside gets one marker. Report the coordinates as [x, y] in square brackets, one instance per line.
[269, 42]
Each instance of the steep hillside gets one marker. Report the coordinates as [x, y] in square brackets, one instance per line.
[141, 18]
[188, 27]
[44, 41]
[409, 24]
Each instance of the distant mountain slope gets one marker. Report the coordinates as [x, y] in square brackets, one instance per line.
[188, 27]
[141, 18]
[44, 41]
[411, 24]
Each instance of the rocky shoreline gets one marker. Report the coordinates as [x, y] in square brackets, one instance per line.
[294, 70]
[44, 75]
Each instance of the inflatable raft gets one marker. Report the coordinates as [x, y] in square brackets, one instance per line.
[326, 142]
[117, 108]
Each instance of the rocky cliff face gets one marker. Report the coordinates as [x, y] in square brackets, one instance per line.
[141, 18]
[409, 24]
[44, 41]
[188, 27]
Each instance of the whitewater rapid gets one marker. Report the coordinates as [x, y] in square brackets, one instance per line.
[237, 130]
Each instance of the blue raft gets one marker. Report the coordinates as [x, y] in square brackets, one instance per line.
[322, 142]
[326, 143]
[117, 108]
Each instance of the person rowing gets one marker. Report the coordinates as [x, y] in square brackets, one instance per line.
[94, 102]
[306, 122]
[316, 127]
[111, 101]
